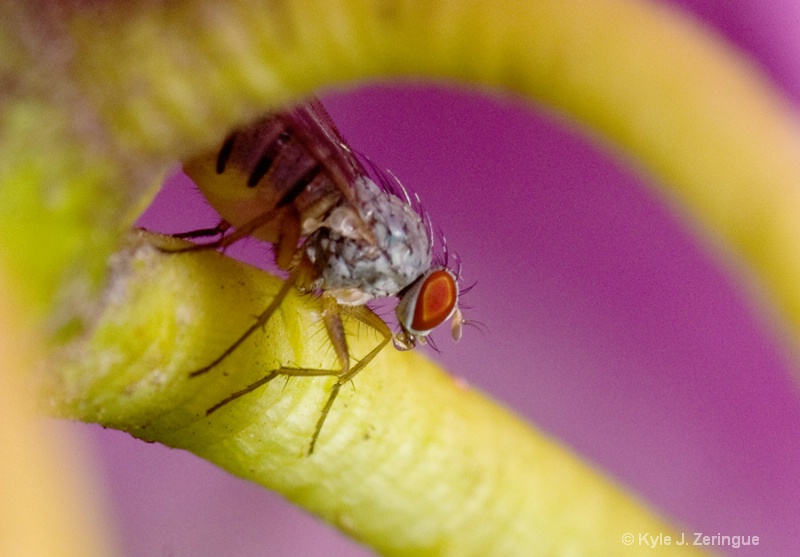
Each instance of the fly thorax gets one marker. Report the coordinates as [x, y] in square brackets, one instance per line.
[398, 252]
[346, 221]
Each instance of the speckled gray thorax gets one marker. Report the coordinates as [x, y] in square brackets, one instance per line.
[356, 268]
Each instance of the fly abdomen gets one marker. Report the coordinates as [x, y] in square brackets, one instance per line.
[225, 153]
[300, 184]
[265, 168]
[274, 162]
[267, 158]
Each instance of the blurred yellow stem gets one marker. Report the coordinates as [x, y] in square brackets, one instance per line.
[37, 505]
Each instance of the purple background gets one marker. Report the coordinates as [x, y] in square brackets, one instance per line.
[609, 326]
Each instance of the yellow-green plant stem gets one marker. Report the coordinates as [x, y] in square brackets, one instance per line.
[99, 97]
[410, 460]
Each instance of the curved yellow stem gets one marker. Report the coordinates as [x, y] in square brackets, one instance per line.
[410, 461]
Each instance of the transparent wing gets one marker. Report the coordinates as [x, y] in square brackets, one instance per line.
[315, 129]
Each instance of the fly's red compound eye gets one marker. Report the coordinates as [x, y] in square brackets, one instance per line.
[429, 302]
[436, 300]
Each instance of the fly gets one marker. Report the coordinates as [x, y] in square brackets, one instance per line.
[291, 180]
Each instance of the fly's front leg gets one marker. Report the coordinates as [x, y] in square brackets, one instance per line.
[333, 324]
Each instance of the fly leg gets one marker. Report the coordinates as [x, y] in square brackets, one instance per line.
[218, 230]
[336, 334]
[224, 240]
[288, 255]
[332, 319]
[260, 321]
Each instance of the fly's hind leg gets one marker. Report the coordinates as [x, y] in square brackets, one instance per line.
[332, 318]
